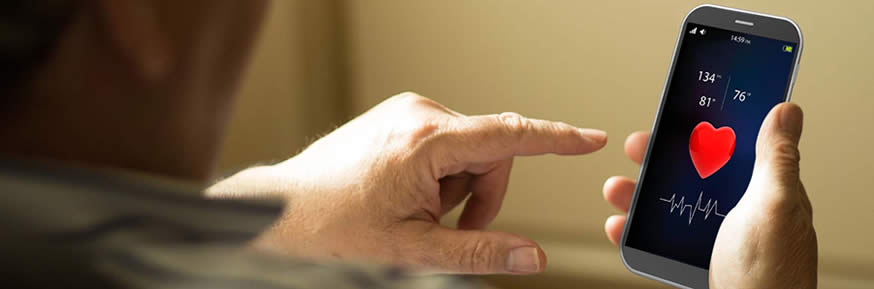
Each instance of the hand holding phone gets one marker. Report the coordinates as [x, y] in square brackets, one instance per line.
[730, 68]
[767, 240]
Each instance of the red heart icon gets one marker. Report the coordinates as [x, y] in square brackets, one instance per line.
[710, 148]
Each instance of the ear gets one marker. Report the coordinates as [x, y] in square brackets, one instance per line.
[133, 28]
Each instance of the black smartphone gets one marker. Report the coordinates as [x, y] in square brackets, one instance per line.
[730, 68]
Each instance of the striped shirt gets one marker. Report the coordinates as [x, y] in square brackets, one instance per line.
[88, 228]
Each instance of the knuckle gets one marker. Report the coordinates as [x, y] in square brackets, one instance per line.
[785, 161]
[412, 99]
[478, 257]
[515, 123]
[781, 156]
[406, 95]
[562, 129]
[421, 132]
[787, 152]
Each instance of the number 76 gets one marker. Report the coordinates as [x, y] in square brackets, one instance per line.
[740, 95]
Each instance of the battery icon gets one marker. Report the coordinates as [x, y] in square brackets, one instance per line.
[787, 48]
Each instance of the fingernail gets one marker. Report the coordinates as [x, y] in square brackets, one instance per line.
[523, 260]
[791, 119]
[595, 135]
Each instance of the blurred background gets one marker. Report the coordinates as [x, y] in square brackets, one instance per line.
[598, 64]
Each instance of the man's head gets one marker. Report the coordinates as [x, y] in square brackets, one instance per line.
[138, 84]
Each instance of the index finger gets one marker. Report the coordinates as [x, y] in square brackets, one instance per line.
[488, 138]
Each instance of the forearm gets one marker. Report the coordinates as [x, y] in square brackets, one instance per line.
[253, 183]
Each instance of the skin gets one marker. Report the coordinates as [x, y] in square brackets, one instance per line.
[148, 86]
[376, 188]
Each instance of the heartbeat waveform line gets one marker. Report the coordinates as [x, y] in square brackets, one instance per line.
[708, 209]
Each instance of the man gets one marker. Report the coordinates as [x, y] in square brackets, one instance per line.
[113, 112]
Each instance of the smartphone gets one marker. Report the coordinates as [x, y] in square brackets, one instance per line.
[730, 68]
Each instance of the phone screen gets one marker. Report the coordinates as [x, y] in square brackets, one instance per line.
[701, 156]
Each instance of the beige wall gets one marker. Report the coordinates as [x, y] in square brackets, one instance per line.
[292, 91]
[591, 63]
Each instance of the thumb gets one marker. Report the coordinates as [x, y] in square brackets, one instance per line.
[776, 172]
[479, 252]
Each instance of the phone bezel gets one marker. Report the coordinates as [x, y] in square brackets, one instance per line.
[667, 270]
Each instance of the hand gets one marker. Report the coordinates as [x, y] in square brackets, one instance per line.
[376, 188]
[767, 240]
